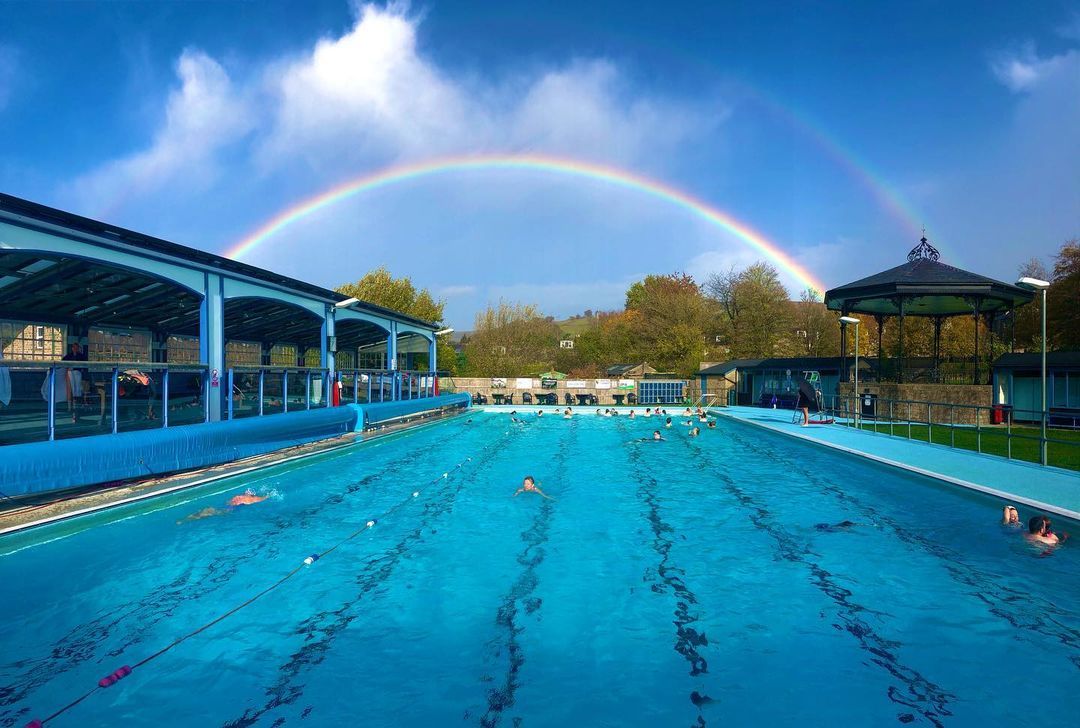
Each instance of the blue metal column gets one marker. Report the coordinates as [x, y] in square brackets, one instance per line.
[165, 398]
[212, 340]
[52, 403]
[391, 360]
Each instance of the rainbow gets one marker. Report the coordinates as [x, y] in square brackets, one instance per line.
[532, 162]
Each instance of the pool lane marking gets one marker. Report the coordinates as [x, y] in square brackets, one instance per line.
[499, 699]
[688, 639]
[996, 597]
[126, 670]
[921, 690]
[1004, 495]
[317, 638]
[177, 591]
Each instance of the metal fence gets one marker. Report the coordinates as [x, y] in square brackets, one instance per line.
[63, 399]
[1048, 438]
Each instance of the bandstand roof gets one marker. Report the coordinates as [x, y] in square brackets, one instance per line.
[927, 287]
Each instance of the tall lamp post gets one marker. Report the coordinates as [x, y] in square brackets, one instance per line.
[1035, 284]
[851, 320]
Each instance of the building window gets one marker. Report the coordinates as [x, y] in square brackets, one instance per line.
[118, 345]
[31, 341]
[182, 349]
[283, 355]
[243, 354]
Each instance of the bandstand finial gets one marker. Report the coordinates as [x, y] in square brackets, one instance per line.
[924, 250]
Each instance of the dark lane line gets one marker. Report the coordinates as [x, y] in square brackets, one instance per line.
[519, 597]
[1021, 609]
[195, 582]
[918, 693]
[320, 630]
[687, 638]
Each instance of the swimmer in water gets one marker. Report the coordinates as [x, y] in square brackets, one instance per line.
[1010, 517]
[631, 414]
[648, 412]
[667, 422]
[247, 498]
[1039, 532]
[656, 436]
[567, 414]
[528, 485]
[834, 527]
[712, 424]
[539, 413]
[695, 431]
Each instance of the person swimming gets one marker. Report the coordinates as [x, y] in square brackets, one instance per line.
[539, 413]
[247, 498]
[835, 527]
[1010, 517]
[567, 414]
[695, 431]
[648, 412]
[712, 424]
[667, 422]
[656, 436]
[1039, 532]
[631, 414]
[528, 485]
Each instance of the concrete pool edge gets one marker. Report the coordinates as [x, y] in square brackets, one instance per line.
[943, 477]
[144, 490]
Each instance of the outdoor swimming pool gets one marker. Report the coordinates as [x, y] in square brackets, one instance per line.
[668, 584]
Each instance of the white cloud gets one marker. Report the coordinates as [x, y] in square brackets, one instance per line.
[1024, 70]
[372, 96]
[202, 116]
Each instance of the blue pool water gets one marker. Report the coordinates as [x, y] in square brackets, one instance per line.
[680, 583]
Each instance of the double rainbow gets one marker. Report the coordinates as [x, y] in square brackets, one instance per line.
[536, 163]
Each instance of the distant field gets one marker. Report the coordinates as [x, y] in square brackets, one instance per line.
[1065, 454]
[576, 325]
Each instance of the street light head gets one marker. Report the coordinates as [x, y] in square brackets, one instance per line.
[1033, 284]
[849, 320]
[444, 332]
[347, 302]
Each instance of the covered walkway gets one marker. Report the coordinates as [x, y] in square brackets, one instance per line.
[105, 330]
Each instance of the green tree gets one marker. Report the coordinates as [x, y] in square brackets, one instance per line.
[816, 329]
[400, 294]
[511, 339]
[673, 318]
[1063, 298]
[755, 315]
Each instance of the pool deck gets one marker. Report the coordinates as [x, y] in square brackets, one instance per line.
[1048, 489]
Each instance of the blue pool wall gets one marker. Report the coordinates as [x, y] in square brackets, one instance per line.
[39, 467]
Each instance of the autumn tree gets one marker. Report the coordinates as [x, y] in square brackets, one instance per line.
[673, 318]
[1063, 298]
[400, 294]
[511, 339]
[755, 315]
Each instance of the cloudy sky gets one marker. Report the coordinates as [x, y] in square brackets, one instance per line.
[836, 130]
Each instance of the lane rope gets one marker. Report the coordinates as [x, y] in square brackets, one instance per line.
[125, 670]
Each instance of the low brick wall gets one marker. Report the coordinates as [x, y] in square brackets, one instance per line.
[482, 385]
[942, 395]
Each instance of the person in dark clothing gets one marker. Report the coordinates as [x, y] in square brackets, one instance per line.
[807, 399]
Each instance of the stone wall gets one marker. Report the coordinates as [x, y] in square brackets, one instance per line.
[482, 385]
[940, 395]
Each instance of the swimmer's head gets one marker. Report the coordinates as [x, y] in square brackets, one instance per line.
[656, 435]
[528, 483]
[1038, 525]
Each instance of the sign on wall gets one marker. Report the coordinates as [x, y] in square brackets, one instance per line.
[523, 383]
[498, 382]
[627, 384]
[576, 384]
[603, 384]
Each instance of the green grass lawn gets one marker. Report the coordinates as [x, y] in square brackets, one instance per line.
[576, 325]
[1065, 454]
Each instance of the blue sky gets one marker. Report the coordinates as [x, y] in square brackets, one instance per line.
[198, 121]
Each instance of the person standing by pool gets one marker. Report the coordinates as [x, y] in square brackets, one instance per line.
[528, 485]
[807, 399]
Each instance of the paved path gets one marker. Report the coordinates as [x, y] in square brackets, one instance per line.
[1054, 490]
